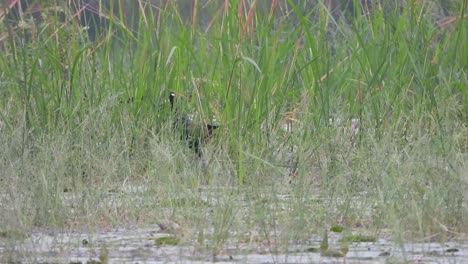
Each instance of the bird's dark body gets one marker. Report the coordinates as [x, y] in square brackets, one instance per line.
[195, 134]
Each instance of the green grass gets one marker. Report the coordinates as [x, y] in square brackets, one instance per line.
[93, 118]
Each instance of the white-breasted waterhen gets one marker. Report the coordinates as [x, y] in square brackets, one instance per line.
[193, 132]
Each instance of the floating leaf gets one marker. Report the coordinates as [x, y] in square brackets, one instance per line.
[167, 241]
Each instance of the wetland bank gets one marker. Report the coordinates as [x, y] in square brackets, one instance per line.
[339, 122]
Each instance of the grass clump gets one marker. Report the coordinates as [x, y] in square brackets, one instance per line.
[355, 116]
[337, 229]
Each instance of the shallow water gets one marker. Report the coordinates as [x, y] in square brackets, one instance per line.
[138, 245]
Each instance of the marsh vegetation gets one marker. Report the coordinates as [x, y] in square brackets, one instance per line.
[329, 117]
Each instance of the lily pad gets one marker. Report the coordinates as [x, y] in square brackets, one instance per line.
[312, 250]
[12, 234]
[167, 241]
[358, 238]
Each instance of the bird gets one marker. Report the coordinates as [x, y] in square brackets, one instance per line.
[195, 134]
